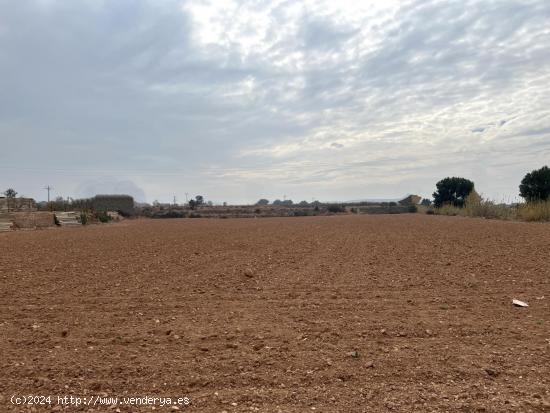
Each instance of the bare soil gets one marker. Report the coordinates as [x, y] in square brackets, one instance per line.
[408, 313]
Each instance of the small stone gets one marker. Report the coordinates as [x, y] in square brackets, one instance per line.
[369, 364]
[249, 273]
[354, 354]
[519, 303]
[491, 372]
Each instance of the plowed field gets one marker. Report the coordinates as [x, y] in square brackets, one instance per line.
[408, 313]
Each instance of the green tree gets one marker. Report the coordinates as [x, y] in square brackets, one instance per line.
[199, 199]
[452, 191]
[426, 202]
[263, 201]
[535, 186]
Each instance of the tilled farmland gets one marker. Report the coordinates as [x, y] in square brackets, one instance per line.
[408, 313]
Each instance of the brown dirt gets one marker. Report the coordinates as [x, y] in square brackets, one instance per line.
[327, 314]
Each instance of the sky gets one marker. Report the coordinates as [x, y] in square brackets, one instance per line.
[241, 100]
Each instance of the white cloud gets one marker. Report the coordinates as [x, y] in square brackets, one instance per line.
[330, 99]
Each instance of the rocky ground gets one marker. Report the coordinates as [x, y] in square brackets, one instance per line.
[408, 313]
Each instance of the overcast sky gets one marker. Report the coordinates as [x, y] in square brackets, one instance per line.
[237, 100]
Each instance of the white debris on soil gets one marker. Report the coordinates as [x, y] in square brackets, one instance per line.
[518, 303]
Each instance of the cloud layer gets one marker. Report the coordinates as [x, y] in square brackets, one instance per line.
[246, 99]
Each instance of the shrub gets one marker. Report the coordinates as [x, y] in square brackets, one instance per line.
[448, 209]
[103, 217]
[83, 218]
[170, 214]
[412, 209]
[195, 215]
[335, 208]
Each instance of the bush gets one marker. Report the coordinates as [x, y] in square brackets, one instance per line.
[103, 217]
[447, 209]
[412, 209]
[83, 218]
[169, 214]
[195, 215]
[335, 209]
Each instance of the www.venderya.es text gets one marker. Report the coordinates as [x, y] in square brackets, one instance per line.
[97, 400]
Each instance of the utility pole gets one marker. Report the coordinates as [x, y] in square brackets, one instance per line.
[186, 197]
[49, 188]
[174, 200]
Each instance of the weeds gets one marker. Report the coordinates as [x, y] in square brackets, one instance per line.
[534, 211]
[476, 206]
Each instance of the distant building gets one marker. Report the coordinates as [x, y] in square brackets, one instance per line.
[123, 204]
[410, 200]
[17, 205]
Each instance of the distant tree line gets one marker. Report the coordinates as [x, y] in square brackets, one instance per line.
[286, 202]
